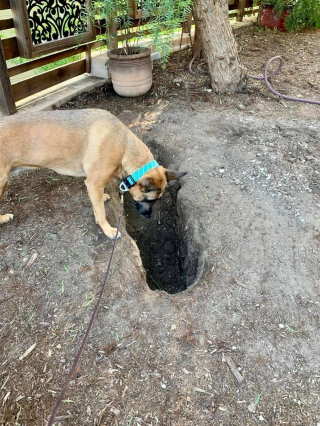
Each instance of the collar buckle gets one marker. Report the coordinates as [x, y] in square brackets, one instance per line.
[123, 188]
[126, 184]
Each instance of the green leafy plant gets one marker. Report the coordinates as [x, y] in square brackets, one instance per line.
[303, 13]
[158, 21]
[279, 5]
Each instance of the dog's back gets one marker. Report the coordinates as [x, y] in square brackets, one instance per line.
[39, 124]
[55, 139]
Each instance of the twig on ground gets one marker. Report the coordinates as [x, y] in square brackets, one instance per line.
[233, 368]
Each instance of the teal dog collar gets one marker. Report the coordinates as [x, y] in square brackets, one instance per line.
[132, 179]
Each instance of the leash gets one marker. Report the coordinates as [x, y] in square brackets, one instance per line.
[124, 186]
[84, 341]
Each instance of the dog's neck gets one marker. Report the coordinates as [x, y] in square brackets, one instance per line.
[136, 155]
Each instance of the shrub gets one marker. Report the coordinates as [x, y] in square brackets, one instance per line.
[303, 13]
[160, 19]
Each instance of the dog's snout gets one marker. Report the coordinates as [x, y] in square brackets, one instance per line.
[144, 208]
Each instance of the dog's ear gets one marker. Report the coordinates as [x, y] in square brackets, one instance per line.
[170, 175]
[147, 184]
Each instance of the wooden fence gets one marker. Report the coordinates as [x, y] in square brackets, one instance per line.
[10, 93]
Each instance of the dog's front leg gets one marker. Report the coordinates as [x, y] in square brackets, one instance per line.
[96, 194]
[4, 218]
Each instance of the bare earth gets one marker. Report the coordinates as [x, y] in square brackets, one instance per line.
[241, 345]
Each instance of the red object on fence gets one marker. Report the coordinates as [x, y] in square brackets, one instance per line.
[270, 18]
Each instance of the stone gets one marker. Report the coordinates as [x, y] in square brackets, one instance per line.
[169, 247]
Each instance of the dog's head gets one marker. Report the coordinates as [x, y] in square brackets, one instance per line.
[150, 188]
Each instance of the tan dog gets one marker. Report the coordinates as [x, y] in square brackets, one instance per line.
[91, 143]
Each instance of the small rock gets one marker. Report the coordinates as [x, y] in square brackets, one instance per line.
[241, 107]
[237, 181]
[173, 327]
[115, 411]
[252, 407]
[169, 247]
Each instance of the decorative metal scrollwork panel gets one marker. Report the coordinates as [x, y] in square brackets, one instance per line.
[52, 20]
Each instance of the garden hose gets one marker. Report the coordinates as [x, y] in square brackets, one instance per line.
[266, 78]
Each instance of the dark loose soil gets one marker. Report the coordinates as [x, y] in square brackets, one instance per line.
[159, 242]
[241, 345]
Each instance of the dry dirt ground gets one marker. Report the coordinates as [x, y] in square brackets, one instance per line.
[241, 345]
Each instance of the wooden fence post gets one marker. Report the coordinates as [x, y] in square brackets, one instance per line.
[88, 58]
[112, 32]
[240, 13]
[7, 104]
[187, 24]
[132, 4]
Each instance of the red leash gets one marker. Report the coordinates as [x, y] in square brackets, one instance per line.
[84, 341]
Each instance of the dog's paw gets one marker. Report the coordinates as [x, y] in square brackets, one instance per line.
[113, 233]
[6, 218]
[106, 197]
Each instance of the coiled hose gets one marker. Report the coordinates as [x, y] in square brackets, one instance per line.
[266, 78]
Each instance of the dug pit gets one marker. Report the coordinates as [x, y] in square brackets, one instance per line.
[167, 251]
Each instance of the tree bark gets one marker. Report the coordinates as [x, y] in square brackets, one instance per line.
[219, 46]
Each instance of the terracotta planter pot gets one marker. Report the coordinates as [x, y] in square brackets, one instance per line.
[131, 75]
[269, 18]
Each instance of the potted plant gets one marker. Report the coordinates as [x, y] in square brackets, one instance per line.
[273, 13]
[153, 26]
[289, 15]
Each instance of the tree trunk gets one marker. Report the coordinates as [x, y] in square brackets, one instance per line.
[219, 46]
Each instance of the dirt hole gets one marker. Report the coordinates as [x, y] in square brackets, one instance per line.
[163, 240]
